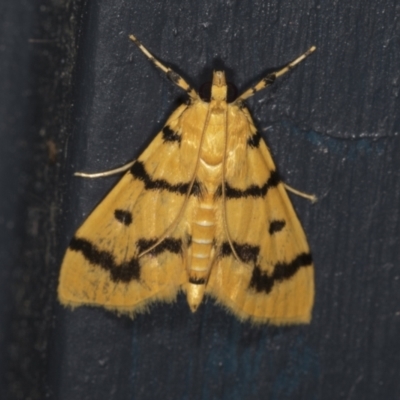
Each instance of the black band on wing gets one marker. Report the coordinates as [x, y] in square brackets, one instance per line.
[125, 272]
[252, 190]
[198, 189]
[128, 270]
[246, 252]
[139, 172]
[168, 244]
[262, 282]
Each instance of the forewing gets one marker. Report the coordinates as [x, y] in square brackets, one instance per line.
[101, 265]
[273, 281]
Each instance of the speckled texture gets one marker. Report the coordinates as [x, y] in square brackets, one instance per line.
[333, 128]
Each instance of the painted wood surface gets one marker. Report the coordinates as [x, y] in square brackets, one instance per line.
[333, 128]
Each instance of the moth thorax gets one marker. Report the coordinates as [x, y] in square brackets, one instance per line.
[219, 88]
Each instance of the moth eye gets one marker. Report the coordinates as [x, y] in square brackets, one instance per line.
[205, 91]
[232, 92]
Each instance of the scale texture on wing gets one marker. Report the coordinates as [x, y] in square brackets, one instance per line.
[273, 281]
[101, 266]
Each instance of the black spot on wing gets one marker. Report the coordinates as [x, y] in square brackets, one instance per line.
[276, 226]
[262, 282]
[125, 272]
[254, 140]
[170, 136]
[246, 252]
[139, 172]
[252, 190]
[125, 217]
[172, 245]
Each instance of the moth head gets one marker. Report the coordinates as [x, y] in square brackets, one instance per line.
[219, 88]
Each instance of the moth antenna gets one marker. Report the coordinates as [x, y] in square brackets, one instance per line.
[312, 197]
[270, 78]
[105, 173]
[172, 75]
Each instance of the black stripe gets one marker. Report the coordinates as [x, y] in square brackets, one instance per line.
[197, 281]
[254, 140]
[252, 190]
[125, 217]
[170, 136]
[173, 76]
[218, 192]
[168, 244]
[246, 252]
[276, 226]
[262, 282]
[198, 189]
[270, 79]
[139, 172]
[125, 272]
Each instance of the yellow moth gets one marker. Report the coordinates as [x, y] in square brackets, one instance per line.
[203, 211]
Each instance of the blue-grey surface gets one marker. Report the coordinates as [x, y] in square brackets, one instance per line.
[15, 159]
[333, 128]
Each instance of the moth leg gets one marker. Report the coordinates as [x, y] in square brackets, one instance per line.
[312, 197]
[172, 75]
[106, 173]
[270, 78]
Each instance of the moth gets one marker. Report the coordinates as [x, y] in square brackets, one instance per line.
[203, 211]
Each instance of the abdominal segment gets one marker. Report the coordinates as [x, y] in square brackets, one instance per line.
[201, 253]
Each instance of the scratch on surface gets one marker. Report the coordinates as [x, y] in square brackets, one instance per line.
[353, 387]
[351, 145]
